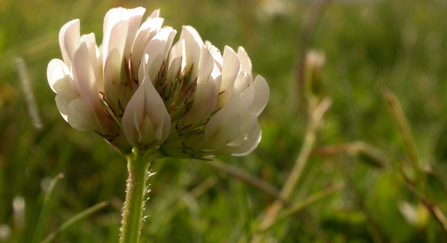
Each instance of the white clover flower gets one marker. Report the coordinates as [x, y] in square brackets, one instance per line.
[186, 99]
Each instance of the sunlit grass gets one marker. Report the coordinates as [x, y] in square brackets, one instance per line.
[399, 44]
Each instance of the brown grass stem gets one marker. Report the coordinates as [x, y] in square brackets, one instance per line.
[251, 179]
[294, 176]
[432, 208]
[405, 131]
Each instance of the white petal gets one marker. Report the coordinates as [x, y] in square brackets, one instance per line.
[147, 135]
[90, 41]
[162, 123]
[245, 60]
[146, 102]
[58, 76]
[133, 117]
[174, 68]
[154, 66]
[243, 81]
[262, 94]
[135, 15]
[112, 81]
[115, 40]
[224, 134]
[157, 50]
[216, 54]
[84, 74]
[121, 25]
[145, 33]
[248, 126]
[142, 70]
[230, 69]
[156, 110]
[193, 46]
[115, 35]
[80, 116]
[236, 106]
[155, 13]
[63, 99]
[205, 97]
[69, 40]
[250, 144]
[178, 50]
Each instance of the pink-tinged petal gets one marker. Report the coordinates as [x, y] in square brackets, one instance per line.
[155, 14]
[174, 68]
[69, 40]
[83, 70]
[63, 99]
[135, 15]
[247, 147]
[215, 52]
[115, 39]
[225, 133]
[93, 51]
[58, 76]
[205, 97]
[153, 67]
[146, 103]
[157, 50]
[143, 67]
[193, 46]
[128, 21]
[262, 94]
[145, 33]
[90, 41]
[245, 60]
[230, 69]
[177, 51]
[81, 117]
[84, 74]
[112, 81]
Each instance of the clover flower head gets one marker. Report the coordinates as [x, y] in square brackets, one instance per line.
[140, 90]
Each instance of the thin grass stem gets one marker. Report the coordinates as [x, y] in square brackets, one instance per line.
[295, 208]
[74, 220]
[253, 180]
[46, 209]
[404, 128]
[374, 228]
[434, 210]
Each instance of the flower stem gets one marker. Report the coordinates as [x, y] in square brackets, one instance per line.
[138, 168]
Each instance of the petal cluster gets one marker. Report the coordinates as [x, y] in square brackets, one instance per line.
[184, 99]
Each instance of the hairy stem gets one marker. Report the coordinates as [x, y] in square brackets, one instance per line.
[135, 192]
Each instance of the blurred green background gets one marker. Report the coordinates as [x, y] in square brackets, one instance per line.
[400, 44]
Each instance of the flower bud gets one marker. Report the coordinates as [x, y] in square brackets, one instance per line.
[314, 65]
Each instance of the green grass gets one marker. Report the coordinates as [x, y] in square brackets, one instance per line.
[401, 44]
